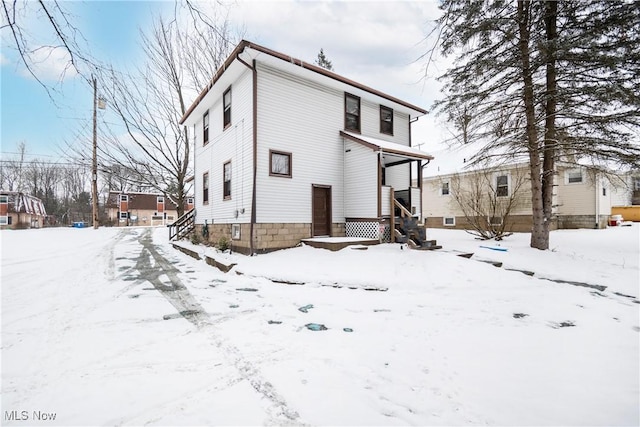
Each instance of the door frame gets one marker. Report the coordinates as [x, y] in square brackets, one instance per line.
[329, 208]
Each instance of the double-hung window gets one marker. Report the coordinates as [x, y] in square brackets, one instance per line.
[226, 106]
[226, 186]
[444, 189]
[351, 112]
[205, 188]
[386, 120]
[205, 128]
[502, 185]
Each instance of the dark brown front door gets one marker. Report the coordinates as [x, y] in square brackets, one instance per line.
[321, 206]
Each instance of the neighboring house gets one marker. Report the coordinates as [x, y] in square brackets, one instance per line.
[583, 196]
[286, 150]
[19, 210]
[130, 208]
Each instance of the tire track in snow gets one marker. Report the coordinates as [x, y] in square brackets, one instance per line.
[155, 268]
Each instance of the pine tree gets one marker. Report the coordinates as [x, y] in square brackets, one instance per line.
[544, 79]
[323, 62]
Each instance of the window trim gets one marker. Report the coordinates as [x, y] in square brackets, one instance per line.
[4, 220]
[205, 128]
[123, 215]
[123, 198]
[346, 96]
[444, 221]
[205, 188]
[4, 199]
[225, 123]
[388, 110]
[225, 195]
[190, 201]
[507, 185]
[568, 178]
[442, 183]
[160, 199]
[281, 153]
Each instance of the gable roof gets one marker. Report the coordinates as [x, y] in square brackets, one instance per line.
[24, 203]
[146, 201]
[257, 50]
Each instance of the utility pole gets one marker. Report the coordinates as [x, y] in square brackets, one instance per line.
[94, 169]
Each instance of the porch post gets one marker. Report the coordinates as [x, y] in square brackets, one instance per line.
[392, 217]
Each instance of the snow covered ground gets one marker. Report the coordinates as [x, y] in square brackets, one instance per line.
[115, 327]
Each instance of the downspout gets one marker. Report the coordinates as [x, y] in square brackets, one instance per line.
[597, 181]
[255, 150]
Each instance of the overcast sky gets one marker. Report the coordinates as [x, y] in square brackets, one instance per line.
[375, 43]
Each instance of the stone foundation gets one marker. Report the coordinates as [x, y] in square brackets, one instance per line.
[582, 221]
[515, 223]
[267, 237]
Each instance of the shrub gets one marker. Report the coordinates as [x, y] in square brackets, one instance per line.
[223, 243]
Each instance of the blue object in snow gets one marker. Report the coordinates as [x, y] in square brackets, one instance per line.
[347, 329]
[306, 308]
[315, 327]
[494, 248]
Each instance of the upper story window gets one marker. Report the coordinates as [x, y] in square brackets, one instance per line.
[205, 128]
[386, 120]
[160, 199]
[124, 198]
[573, 176]
[351, 112]
[205, 188]
[279, 163]
[444, 189]
[4, 199]
[226, 101]
[502, 185]
[226, 186]
[190, 200]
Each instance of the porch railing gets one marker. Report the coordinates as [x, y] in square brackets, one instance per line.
[183, 225]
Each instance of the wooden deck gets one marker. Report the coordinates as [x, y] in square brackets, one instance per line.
[338, 243]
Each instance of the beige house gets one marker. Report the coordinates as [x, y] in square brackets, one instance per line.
[453, 192]
[146, 209]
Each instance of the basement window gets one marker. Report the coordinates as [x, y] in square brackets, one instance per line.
[449, 221]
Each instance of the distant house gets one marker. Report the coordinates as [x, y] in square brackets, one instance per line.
[286, 150]
[19, 210]
[130, 208]
[583, 196]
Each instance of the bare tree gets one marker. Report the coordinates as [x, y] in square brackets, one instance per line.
[12, 176]
[488, 198]
[64, 36]
[150, 103]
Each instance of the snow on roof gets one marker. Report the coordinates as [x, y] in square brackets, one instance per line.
[462, 158]
[24, 203]
[387, 147]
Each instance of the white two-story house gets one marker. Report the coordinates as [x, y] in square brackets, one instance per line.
[285, 150]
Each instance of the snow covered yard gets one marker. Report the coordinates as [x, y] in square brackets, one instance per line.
[116, 327]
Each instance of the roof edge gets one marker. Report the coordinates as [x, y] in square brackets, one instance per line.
[317, 69]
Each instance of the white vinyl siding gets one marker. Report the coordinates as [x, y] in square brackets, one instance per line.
[576, 198]
[361, 181]
[398, 176]
[370, 123]
[233, 144]
[303, 118]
